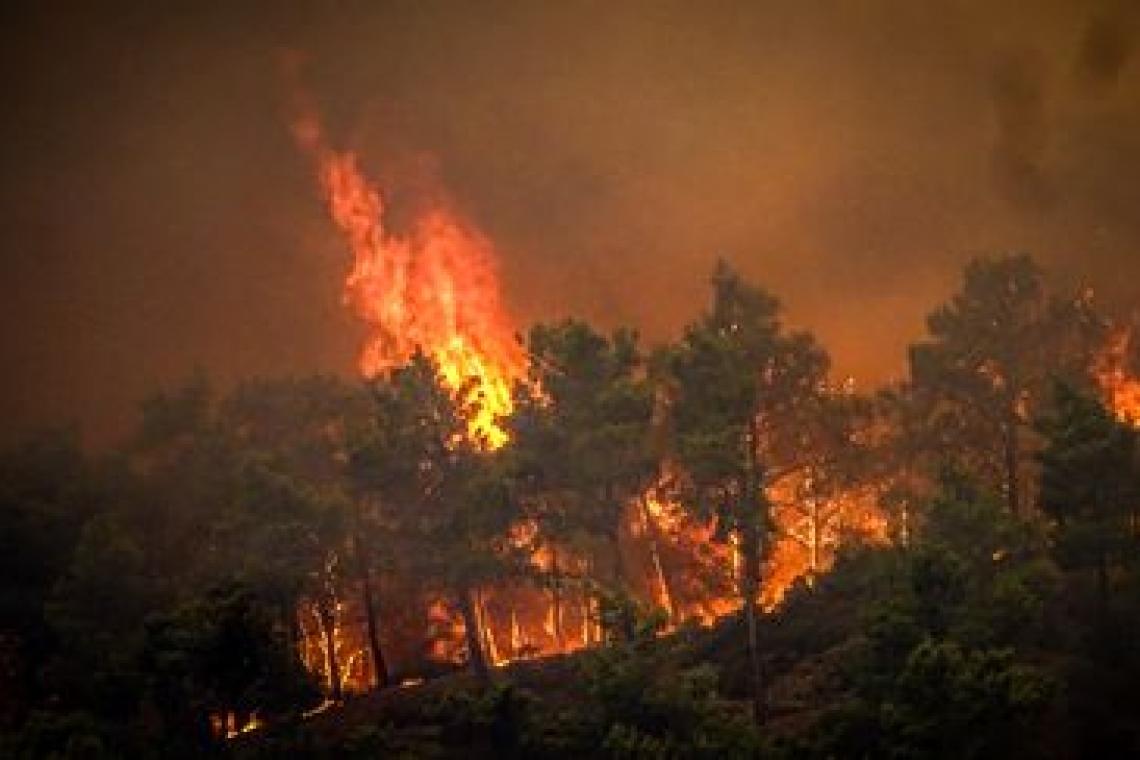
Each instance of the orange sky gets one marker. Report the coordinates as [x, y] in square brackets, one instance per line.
[849, 156]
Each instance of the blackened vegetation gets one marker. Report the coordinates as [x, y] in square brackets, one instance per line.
[149, 597]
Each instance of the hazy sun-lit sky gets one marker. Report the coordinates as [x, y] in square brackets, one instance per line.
[850, 156]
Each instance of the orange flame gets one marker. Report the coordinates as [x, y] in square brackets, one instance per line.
[230, 724]
[432, 288]
[1121, 389]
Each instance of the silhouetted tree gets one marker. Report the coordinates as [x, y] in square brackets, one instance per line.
[1090, 483]
[983, 372]
[738, 379]
[444, 496]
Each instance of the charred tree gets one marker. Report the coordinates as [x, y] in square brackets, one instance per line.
[473, 638]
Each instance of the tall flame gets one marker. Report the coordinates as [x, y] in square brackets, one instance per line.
[430, 288]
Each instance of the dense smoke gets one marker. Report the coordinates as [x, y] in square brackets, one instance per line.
[850, 157]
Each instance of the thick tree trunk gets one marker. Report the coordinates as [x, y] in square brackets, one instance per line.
[379, 664]
[476, 656]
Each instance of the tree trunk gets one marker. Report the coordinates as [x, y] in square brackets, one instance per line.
[556, 599]
[476, 657]
[327, 616]
[296, 634]
[815, 538]
[379, 665]
[750, 534]
[617, 580]
[589, 598]
[750, 591]
[658, 566]
[490, 645]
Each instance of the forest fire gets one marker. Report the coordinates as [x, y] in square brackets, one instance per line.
[432, 288]
[1112, 370]
[571, 380]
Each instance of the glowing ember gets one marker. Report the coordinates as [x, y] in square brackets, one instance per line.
[229, 725]
[1121, 389]
[431, 288]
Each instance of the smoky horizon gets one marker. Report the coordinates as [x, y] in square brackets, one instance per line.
[160, 221]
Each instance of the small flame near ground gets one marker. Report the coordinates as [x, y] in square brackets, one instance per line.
[229, 725]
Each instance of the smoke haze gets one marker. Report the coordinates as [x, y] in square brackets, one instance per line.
[850, 156]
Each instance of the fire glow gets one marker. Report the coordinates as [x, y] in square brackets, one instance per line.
[432, 288]
[1121, 389]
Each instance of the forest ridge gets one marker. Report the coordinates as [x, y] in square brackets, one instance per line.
[749, 560]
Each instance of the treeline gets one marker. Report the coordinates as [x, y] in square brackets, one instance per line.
[248, 554]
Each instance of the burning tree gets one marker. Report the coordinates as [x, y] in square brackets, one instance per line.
[983, 374]
[831, 486]
[1115, 370]
[580, 443]
[740, 379]
[430, 287]
[443, 497]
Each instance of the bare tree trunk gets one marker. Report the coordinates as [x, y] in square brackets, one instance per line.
[327, 616]
[297, 635]
[815, 537]
[476, 657]
[379, 665]
[589, 599]
[587, 602]
[653, 533]
[490, 644]
[617, 580]
[750, 550]
[556, 599]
